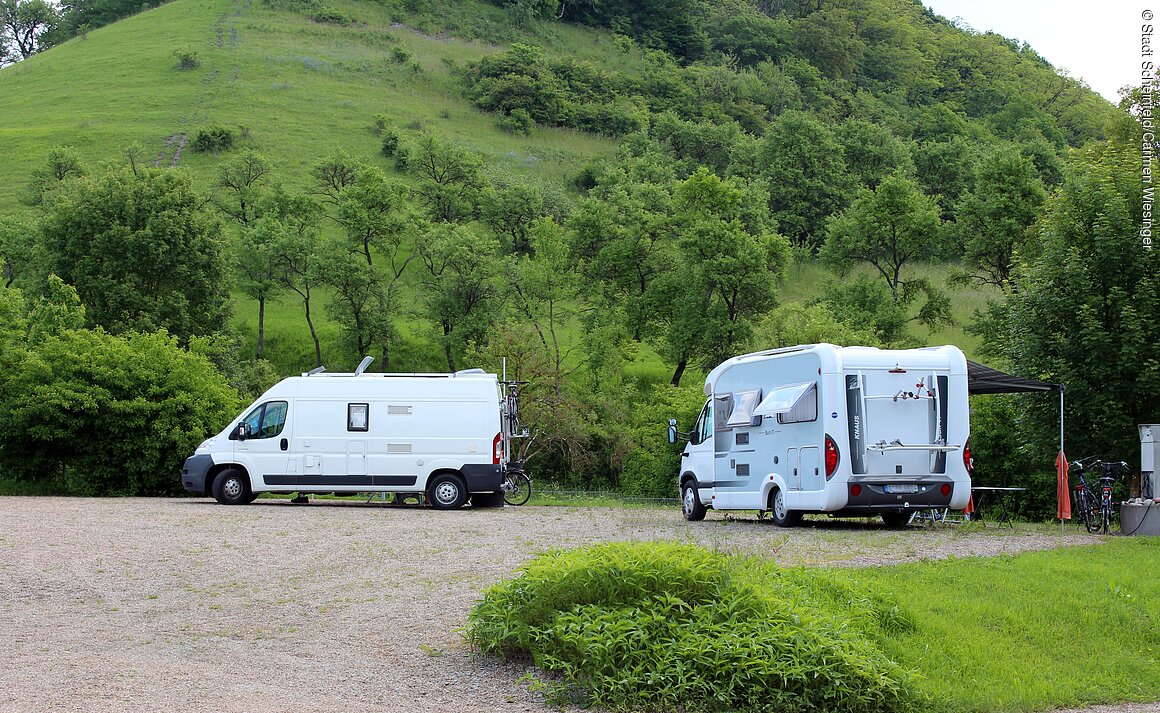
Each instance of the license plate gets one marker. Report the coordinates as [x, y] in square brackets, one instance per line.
[901, 488]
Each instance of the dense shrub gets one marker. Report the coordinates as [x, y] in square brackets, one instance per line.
[518, 122]
[213, 139]
[676, 627]
[97, 414]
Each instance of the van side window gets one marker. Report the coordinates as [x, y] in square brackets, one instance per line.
[266, 420]
[805, 409]
[357, 417]
[705, 426]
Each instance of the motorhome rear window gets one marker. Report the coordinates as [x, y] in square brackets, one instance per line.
[357, 417]
[795, 403]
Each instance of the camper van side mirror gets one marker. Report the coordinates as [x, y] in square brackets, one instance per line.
[242, 432]
[672, 430]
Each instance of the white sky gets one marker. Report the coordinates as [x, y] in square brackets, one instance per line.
[1096, 40]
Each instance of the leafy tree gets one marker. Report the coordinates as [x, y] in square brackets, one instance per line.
[510, 211]
[624, 240]
[63, 164]
[462, 287]
[994, 219]
[728, 276]
[888, 228]
[450, 177]
[98, 414]
[803, 163]
[872, 153]
[829, 39]
[18, 243]
[22, 22]
[795, 323]
[361, 303]
[142, 251]
[241, 180]
[1084, 314]
[263, 268]
[335, 173]
[373, 211]
[56, 310]
[868, 304]
[294, 238]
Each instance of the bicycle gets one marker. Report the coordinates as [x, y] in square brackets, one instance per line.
[517, 485]
[1085, 499]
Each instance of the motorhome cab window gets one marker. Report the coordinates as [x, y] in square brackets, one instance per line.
[795, 403]
[704, 427]
[357, 417]
[267, 420]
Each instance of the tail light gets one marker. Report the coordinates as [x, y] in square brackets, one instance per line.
[497, 449]
[832, 457]
[946, 490]
[967, 462]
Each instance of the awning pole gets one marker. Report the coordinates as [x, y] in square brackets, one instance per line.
[1061, 444]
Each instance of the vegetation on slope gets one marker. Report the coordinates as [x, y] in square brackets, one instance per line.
[611, 197]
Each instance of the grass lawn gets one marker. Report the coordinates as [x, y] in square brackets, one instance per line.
[1066, 627]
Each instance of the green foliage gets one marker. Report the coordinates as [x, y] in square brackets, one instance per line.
[213, 139]
[63, 165]
[651, 467]
[142, 252]
[794, 323]
[99, 414]
[187, 59]
[803, 164]
[517, 122]
[667, 626]
[1084, 313]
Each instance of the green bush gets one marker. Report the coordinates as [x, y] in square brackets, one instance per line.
[213, 139]
[187, 59]
[676, 627]
[390, 142]
[96, 414]
[518, 122]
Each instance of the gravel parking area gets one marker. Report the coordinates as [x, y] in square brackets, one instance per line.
[182, 604]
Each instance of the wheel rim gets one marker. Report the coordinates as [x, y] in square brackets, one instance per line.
[232, 488]
[779, 510]
[446, 492]
[689, 501]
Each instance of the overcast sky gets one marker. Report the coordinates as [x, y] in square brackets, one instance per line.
[1096, 40]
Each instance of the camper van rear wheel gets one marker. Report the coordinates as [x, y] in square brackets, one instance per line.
[691, 502]
[447, 491]
[782, 516]
[232, 487]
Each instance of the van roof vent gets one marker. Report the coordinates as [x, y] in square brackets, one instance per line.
[315, 371]
[464, 372]
[362, 365]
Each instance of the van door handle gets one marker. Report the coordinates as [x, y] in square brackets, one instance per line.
[795, 471]
[284, 443]
[685, 454]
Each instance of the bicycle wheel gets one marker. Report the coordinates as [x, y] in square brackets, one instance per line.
[1088, 514]
[517, 488]
[1106, 518]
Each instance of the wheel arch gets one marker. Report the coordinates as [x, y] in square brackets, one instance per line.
[212, 474]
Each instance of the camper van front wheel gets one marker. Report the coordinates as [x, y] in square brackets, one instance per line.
[782, 516]
[232, 487]
[447, 491]
[691, 502]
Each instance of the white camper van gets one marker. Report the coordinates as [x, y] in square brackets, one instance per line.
[850, 431]
[440, 436]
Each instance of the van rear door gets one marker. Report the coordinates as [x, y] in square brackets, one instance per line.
[897, 421]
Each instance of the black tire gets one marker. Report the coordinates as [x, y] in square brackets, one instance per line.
[232, 487]
[487, 500]
[782, 516]
[691, 502]
[896, 520]
[446, 491]
[517, 488]
[1087, 513]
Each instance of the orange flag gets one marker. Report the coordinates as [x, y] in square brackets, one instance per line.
[1062, 492]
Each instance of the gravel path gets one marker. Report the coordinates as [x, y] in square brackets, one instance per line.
[159, 605]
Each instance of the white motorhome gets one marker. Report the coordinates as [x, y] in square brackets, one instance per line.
[849, 431]
[440, 436]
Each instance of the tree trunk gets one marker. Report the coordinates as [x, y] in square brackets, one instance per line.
[679, 372]
[261, 325]
[313, 334]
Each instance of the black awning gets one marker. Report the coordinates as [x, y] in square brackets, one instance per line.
[985, 380]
